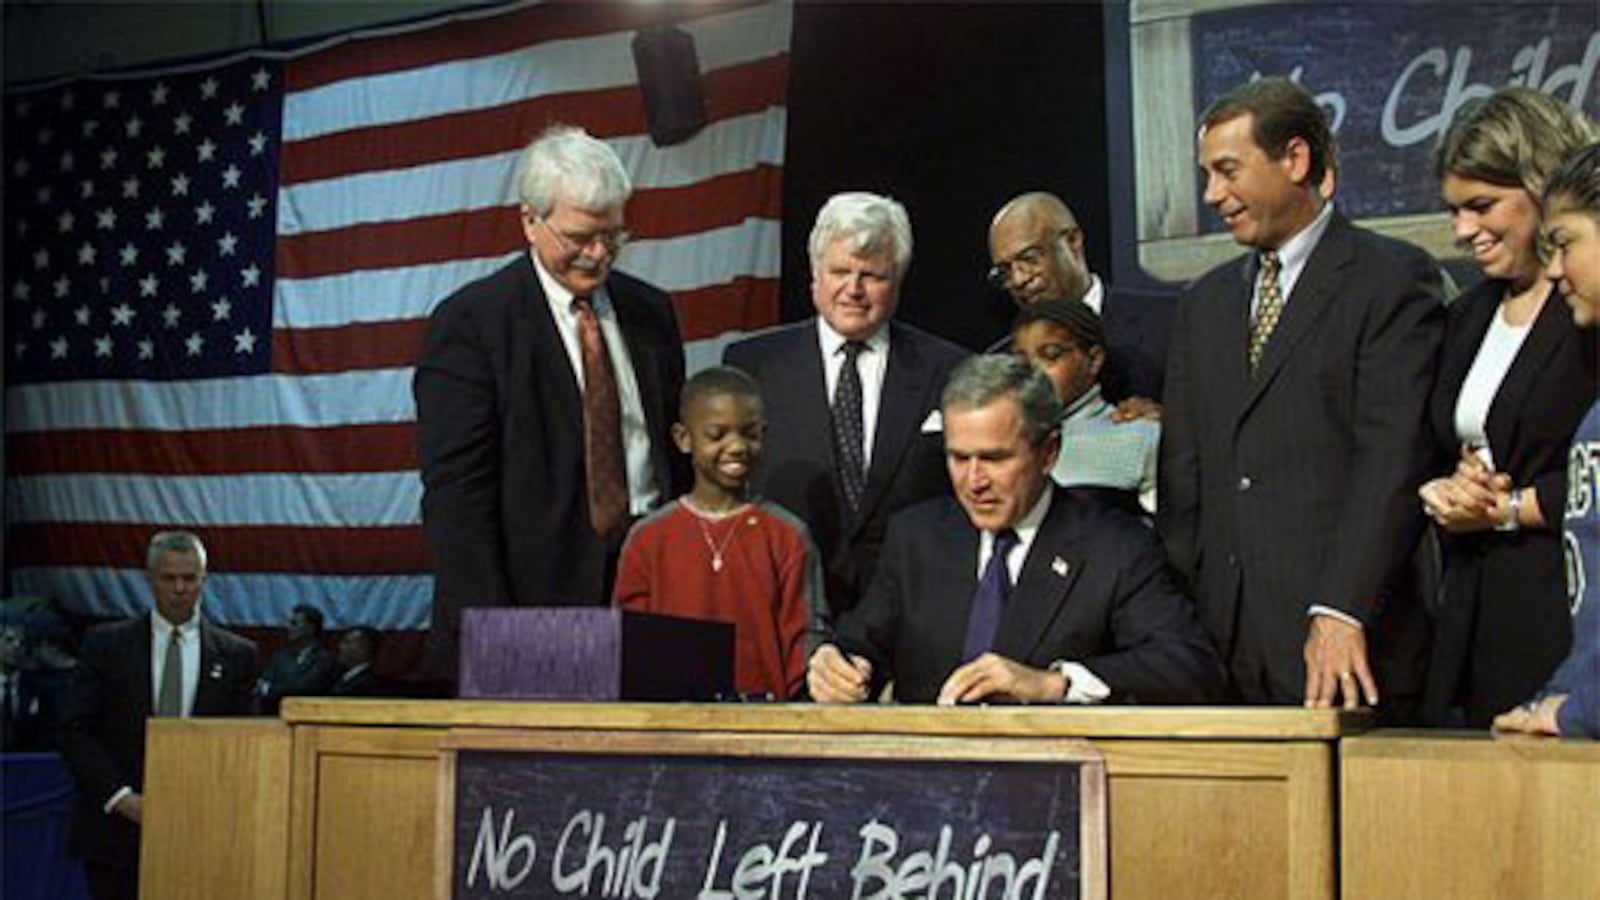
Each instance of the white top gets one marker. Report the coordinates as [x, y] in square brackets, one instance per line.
[1292, 256]
[1095, 296]
[872, 363]
[1083, 686]
[1495, 355]
[643, 492]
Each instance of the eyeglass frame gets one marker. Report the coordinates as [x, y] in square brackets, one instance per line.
[612, 241]
[1033, 256]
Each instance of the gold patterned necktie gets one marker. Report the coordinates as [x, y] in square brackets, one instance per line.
[1271, 308]
[607, 480]
[169, 700]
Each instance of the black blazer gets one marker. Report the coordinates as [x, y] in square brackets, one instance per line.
[1297, 485]
[500, 433]
[103, 724]
[1095, 589]
[1137, 326]
[799, 471]
[1503, 623]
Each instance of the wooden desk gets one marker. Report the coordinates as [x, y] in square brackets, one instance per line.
[1203, 802]
[1429, 815]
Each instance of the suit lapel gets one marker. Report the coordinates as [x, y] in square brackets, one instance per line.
[541, 356]
[1552, 328]
[899, 418]
[650, 375]
[954, 567]
[1313, 291]
[1040, 594]
[806, 394]
[141, 662]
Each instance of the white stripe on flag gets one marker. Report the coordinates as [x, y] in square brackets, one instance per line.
[248, 600]
[345, 500]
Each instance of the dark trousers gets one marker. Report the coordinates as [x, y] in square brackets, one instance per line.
[111, 882]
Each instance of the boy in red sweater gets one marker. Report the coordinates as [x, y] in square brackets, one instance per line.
[717, 554]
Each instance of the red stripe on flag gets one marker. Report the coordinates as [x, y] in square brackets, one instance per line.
[396, 550]
[483, 37]
[387, 447]
[658, 213]
[611, 112]
[745, 304]
[369, 345]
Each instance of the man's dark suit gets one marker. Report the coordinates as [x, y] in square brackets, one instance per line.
[1297, 485]
[799, 471]
[500, 424]
[364, 683]
[1095, 589]
[104, 722]
[26, 717]
[1137, 325]
[297, 672]
[1503, 620]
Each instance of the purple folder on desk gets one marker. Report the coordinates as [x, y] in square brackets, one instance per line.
[585, 653]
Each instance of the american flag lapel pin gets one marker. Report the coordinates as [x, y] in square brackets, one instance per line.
[1060, 567]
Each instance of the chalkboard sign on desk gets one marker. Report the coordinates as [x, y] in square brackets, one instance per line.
[725, 817]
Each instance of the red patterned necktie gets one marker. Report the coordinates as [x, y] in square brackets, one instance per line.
[602, 426]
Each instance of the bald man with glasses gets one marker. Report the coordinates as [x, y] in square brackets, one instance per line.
[1037, 249]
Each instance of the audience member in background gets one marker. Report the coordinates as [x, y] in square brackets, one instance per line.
[302, 667]
[1570, 703]
[545, 394]
[1014, 590]
[719, 554]
[171, 662]
[1064, 340]
[358, 648]
[852, 396]
[1037, 250]
[1295, 430]
[1510, 391]
[25, 714]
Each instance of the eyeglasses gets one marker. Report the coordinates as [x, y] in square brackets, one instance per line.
[611, 241]
[1030, 258]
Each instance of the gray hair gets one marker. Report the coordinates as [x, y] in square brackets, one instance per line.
[868, 223]
[565, 161]
[174, 542]
[981, 380]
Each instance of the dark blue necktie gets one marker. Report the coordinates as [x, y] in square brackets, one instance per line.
[989, 603]
[849, 436]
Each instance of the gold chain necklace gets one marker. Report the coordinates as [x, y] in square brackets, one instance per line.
[704, 519]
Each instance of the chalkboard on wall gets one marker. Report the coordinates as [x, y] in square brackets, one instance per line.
[720, 817]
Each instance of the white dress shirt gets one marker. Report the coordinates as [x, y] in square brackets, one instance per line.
[643, 492]
[1083, 686]
[872, 363]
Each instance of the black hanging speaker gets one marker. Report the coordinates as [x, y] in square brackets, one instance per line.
[669, 76]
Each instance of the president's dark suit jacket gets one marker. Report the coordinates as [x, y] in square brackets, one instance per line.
[1503, 623]
[799, 471]
[1095, 589]
[500, 430]
[103, 724]
[1137, 326]
[1297, 485]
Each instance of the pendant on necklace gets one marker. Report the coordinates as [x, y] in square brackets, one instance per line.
[716, 562]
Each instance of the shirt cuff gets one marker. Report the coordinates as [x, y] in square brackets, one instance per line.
[115, 799]
[1082, 685]
[1317, 609]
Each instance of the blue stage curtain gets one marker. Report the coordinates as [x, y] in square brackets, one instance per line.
[36, 806]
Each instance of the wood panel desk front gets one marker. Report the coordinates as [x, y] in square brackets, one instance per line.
[1203, 802]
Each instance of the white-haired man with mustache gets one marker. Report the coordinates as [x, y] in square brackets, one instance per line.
[545, 394]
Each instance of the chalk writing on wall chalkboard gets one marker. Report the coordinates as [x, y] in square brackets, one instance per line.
[1391, 77]
[715, 828]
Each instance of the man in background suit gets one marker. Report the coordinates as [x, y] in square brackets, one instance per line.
[1094, 614]
[1038, 253]
[1294, 440]
[851, 395]
[25, 716]
[358, 648]
[169, 663]
[545, 394]
[302, 667]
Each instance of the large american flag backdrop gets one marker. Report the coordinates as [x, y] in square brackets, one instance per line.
[217, 277]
